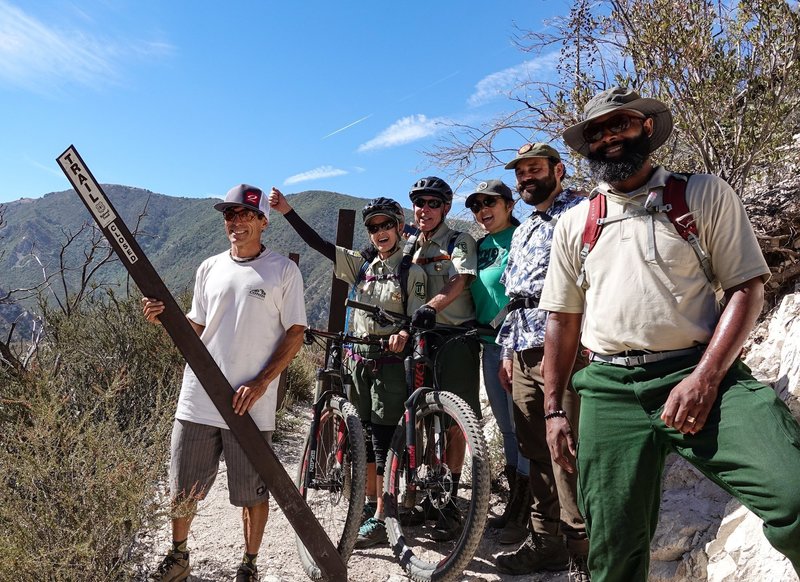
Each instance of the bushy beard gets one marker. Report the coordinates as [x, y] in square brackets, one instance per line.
[635, 152]
[535, 191]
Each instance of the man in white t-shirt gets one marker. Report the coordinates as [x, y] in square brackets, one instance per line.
[249, 312]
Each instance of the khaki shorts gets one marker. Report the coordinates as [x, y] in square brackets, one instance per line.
[196, 449]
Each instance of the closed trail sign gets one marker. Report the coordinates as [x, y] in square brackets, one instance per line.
[194, 351]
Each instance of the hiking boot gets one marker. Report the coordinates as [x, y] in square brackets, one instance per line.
[173, 568]
[371, 533]
[418, 514]
[578, 570]
[499, 521]
[519, 512]
[449, 524]
[247, 573]
[539, 552]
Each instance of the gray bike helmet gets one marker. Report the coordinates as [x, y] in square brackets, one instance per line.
[432, 186]
[383, 207]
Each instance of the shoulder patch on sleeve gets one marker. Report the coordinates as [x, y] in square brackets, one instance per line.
[419, 290]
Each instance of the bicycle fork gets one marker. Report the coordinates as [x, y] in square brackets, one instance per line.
[435, 446]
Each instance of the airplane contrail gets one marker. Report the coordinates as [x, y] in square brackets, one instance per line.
[356, 122]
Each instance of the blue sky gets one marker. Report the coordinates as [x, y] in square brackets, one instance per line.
[190, 98]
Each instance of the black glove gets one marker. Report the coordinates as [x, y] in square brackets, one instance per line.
[424, 317]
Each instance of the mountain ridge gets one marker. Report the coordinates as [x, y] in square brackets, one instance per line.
[175, 232]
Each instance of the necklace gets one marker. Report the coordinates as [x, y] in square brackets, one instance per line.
[247, 259]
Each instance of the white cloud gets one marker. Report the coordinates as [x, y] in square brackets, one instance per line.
[315, 174]
[500, 84]
[403, 131]
[36, 56]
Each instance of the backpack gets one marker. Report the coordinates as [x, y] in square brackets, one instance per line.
[673, 205]
[405, 266]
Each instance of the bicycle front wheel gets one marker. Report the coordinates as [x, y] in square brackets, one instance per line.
[335, 488]
[433, 528]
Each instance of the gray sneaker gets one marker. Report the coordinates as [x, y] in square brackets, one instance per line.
[173, 568]
[371, 533]
[538, 552]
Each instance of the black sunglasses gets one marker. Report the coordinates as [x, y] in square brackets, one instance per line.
[432, 203]
[617, 124]
[387, 225]
[487, 202]
[244, 214]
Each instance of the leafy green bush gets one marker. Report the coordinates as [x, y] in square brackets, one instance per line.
[85, 443]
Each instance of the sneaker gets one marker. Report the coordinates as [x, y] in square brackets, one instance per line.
[418, 514]
[448, 525]
[368, 511]
[539, 552]
[371, 533]
[173, 568]
[578, 570]
[247, 573]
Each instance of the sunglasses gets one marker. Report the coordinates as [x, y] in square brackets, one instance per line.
[487, 202]
[245, 215]
[615, 125]
[375, 228]
[432, 203]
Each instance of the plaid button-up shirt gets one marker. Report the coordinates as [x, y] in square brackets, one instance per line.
[524, 275]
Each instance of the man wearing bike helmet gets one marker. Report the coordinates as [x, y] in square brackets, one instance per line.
[450, 261]
[379, 384]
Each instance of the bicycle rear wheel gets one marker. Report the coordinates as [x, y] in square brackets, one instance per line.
[335, 489]
[442, 417]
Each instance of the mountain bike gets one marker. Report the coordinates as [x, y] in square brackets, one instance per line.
[332, 473]
[418, 472]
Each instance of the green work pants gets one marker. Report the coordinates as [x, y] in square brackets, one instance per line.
[749, 446]
[458, 363]
[379, 385]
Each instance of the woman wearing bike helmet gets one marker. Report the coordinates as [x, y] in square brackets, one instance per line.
[379, 384]
[492, 204]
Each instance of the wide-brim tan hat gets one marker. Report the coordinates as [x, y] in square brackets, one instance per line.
[619, 99]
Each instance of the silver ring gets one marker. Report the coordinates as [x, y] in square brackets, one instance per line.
[691, 419]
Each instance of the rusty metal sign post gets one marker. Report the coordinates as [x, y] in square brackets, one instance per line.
[194, 351]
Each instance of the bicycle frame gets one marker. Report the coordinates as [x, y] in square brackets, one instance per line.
[415, 365]
[331, 374]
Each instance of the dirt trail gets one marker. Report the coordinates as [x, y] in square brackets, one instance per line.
[216, 542]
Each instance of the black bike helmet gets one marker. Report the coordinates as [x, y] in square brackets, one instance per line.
[432, 186]
[383, 207]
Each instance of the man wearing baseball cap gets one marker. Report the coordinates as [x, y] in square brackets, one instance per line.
[555, 516]
[248, 309]
[664, 374]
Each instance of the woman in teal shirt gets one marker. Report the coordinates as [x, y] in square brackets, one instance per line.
[492, 205]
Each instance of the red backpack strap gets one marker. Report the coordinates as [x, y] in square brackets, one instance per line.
[674, 198]
[678, 213]
[592, 229]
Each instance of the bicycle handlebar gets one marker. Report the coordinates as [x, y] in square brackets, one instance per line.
[344, 338]
[393, 317]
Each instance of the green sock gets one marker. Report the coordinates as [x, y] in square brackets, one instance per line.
[180, 546]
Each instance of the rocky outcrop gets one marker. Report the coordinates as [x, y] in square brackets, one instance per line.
[705, 535]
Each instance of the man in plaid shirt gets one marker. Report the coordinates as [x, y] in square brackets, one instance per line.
[555, 514]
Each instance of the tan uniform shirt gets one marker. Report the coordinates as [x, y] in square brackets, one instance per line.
[380, 286]
[464, 261]
[633, 303]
